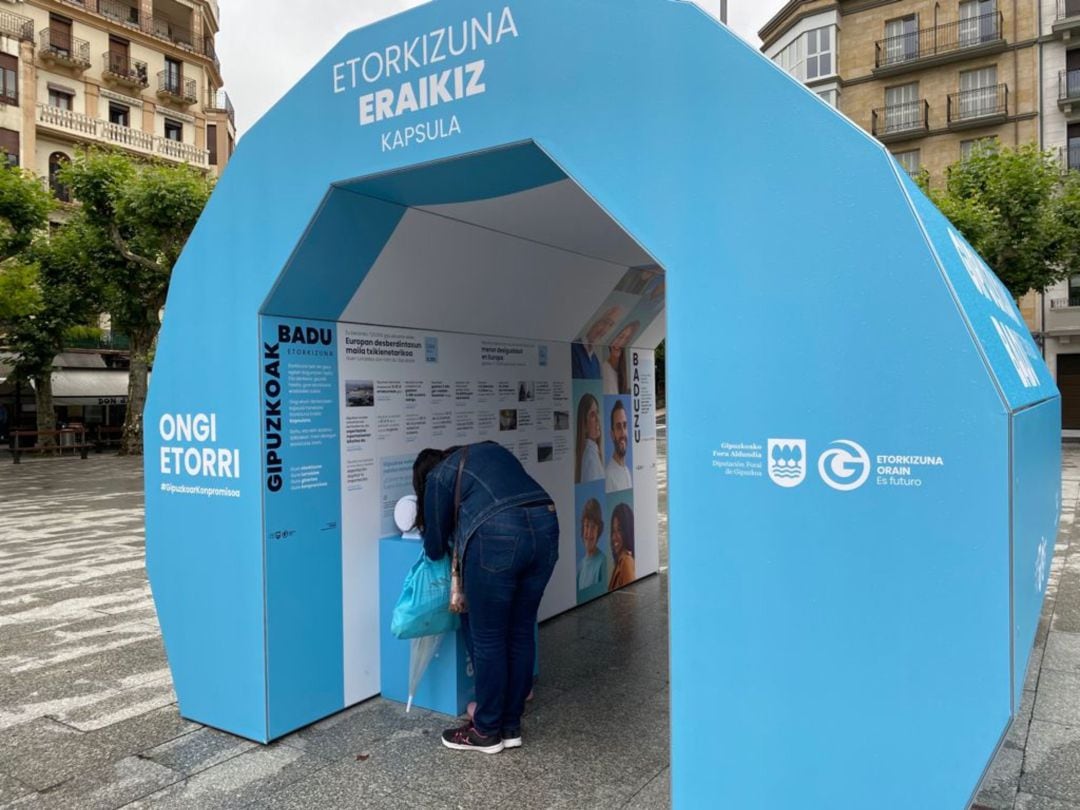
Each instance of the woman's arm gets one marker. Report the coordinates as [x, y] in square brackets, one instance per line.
[438, 518]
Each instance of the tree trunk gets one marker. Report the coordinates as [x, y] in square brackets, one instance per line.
[46, 414]
[142, 341]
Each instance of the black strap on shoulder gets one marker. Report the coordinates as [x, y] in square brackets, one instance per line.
[457, 485]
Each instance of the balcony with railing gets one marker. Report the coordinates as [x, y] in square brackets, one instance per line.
[1069, 92]
[67, 120]
[60, 48]
[941, 43]
[1064, 312]
[125, 71]
[1067, 18]
[126, 12]
[183, 152]
[16, 25]
[121, 12]
[87, 128]
[981, 107]
[179, 35]
[177, 89]
[218, 101]
[898, 122]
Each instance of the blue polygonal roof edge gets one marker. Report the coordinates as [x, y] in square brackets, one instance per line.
[995, 322]
[263, 204]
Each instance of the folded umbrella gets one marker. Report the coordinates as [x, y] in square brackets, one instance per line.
[423, 650]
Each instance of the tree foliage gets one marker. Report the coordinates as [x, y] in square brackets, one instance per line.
[68, 295]
[20, 295]
[24, 210]
[139, 217]
[1015, 209]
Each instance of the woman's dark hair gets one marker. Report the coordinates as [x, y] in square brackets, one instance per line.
[427, 461]
[587, 401]
[625, 517]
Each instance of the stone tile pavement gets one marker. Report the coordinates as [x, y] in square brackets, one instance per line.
[1038, 767]
[88, 717]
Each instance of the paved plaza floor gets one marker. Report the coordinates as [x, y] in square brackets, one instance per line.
[88, 717]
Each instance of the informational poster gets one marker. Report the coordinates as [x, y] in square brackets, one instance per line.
[615, 438]
[403, 391]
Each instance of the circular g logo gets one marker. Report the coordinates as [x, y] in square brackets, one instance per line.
[844, 466]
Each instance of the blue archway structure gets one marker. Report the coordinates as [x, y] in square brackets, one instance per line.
[864, 455]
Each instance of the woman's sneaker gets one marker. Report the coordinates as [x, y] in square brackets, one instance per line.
[511, 738]
[467, 738]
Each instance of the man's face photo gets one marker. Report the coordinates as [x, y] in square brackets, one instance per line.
[619, 432]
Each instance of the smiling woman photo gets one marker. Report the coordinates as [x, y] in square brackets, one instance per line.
[621, 537]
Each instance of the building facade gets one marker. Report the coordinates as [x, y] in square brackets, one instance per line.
[138, 75]
[1060, 131]
[931, 80]
[142, 76]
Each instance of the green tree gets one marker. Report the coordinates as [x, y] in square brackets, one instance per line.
[24, 210]
[143, 214]
[61, 295]
[19, 294]
[24, 213]
[1013, 206]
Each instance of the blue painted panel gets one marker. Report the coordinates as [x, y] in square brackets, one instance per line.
[841, 623]
[990, 309]
[474, 177]
[1036, 486]
[204, 553]
[447, 686]
[302, 469]
[337, 254]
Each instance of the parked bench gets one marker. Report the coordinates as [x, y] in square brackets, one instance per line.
[73, 439]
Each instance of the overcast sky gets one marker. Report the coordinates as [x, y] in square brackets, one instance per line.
[266, 45]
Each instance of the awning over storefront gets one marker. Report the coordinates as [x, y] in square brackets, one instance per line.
[90, 387]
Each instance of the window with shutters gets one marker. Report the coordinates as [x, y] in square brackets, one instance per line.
[60, 34]
[60, 99]
[1072, 149]
[174, 130]
[978, 96]
[819, 61]
[909, 161]
[969, 148]
[119, 114]
[9, 79]
[9, 143]
[57, 160]
[211, 142]
[174, 75]
[901, 39]
[903, 110]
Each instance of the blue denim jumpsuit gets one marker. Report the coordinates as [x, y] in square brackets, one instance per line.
[508, 534]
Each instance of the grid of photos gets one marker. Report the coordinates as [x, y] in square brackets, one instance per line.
[603, 452]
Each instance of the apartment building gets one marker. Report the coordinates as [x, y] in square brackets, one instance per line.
[138, 75]
[1059, 130]
[929, 79]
